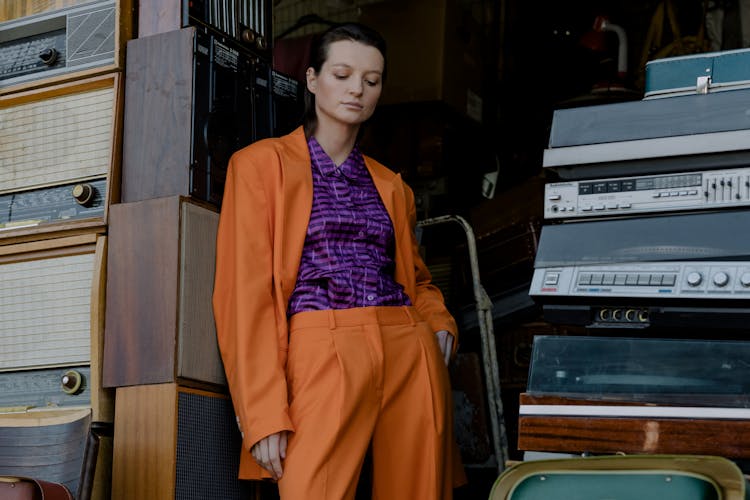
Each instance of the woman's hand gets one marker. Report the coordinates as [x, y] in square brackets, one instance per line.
[270, 451]
[445, 341]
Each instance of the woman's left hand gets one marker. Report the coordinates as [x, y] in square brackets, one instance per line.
[445, 341]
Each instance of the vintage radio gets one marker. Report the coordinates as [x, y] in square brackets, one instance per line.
[47, 41]
[59, 147]
[160, 325]
[52, 324]
[637, 395]
[192, 101]
[247, 22]
[75, 451]
[173, 442]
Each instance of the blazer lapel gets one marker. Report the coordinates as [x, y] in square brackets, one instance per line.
[296, 206]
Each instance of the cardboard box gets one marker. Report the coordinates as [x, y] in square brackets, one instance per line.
[433, 52]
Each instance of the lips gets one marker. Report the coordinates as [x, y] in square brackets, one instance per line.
[353, 105]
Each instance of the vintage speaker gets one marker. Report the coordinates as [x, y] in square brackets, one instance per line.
[173, 442]
[49, 41]
[52, 325]
[59, 151]
[191, 101]
[160, 325]
[247, 22]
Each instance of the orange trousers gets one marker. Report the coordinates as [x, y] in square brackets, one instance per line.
[366, 377]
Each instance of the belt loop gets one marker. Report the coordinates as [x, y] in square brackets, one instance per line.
[331, 320]
[409, 315]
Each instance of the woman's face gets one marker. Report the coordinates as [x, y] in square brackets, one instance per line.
[349, 83]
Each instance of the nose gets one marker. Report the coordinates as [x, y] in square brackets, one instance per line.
[356, 87]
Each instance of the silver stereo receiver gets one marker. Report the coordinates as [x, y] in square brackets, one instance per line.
[712, 189]
[622, 270]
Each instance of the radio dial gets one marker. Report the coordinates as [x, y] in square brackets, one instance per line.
[49, 56]
[71, 382]
[721, 278]
[745, 280]
[83, 194]
[694, 278]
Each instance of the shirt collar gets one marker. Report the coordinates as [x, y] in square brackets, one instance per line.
[353, 168]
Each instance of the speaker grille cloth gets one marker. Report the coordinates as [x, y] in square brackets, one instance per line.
[208, 450]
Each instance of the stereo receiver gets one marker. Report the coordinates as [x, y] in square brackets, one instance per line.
[715, 189]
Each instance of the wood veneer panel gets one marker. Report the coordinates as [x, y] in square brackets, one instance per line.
[142, 293]
[158, 89]
[728, 438]
[145, 443]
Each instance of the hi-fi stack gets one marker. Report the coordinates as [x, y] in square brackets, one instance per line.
[646, 227]
[61, 84]
[645, 244]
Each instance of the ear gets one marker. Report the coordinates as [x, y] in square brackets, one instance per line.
[312, 80]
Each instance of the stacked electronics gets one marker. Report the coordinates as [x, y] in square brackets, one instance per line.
[61, 81]
[199, 86]
[645, 238]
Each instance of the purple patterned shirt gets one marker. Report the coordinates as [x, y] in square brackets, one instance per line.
[347, 259]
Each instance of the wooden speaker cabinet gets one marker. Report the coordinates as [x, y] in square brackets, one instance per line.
[159, 324]
[191, 101]
[173, 442]
[59, 150]
[52, 325]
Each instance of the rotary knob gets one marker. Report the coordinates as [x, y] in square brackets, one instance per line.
[83, 194]
[721, 279]
[694, 279]
[71, 382]
[49, 56]
[745, 280]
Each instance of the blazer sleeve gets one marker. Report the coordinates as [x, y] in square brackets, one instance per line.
[244, 308]
[429, 299]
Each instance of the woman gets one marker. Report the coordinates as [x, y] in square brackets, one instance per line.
[333, 338]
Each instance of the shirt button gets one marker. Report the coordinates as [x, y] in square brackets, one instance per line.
[371, 297]
[361, 234]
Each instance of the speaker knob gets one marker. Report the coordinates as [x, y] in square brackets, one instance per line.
[83, 194]
[260, 42]
[248, 36]
[745, 280]
[71, 382]
[694, 278]
[721, 278]
[49, 56]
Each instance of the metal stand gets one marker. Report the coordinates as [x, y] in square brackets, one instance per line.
[489, 352]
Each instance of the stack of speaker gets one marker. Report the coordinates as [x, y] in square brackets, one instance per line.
[61, 80]
[199, 85]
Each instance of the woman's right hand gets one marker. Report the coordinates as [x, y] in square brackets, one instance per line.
[270, 451]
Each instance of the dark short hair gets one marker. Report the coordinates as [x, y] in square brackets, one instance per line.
[355, 32]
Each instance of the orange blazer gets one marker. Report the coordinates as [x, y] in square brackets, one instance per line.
[264, 217]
